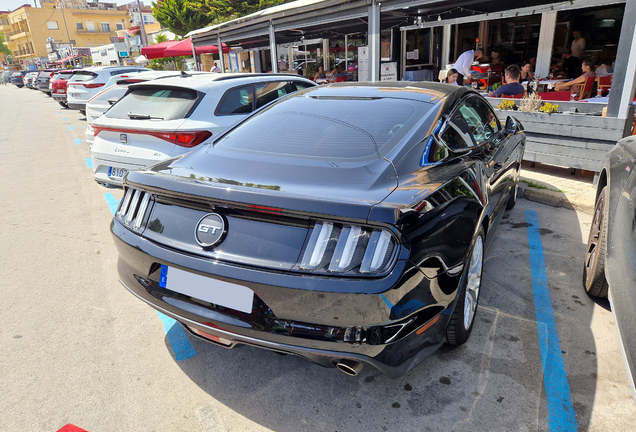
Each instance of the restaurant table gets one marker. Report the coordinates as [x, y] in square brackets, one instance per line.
[549, 84]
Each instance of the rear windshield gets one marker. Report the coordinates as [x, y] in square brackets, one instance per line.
[81, 76]
[63, 75]
[327, 128]
[154, 104]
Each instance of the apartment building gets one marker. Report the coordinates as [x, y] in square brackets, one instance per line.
[27, 28]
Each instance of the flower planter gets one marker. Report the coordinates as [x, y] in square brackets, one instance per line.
[576, 137]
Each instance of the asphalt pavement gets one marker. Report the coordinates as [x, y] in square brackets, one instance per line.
[77, 348]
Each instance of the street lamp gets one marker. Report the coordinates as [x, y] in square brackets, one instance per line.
[61, 4]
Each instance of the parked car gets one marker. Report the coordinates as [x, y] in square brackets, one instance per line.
[17, 78]
[43, 80]
[610, 259]
[29, 79]
[58, 85]
[169, 116]
[86, 83]
[115, 88]
[345, 224]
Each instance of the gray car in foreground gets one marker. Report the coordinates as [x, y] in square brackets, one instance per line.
[610, 260]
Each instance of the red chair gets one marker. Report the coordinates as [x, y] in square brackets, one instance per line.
[603, 84]
[342, 79]
[584, 90]
[555, 96]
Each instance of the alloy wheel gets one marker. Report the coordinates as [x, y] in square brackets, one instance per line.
[473, 284]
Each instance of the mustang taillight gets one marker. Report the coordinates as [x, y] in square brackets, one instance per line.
[183, 139]
[352, 249]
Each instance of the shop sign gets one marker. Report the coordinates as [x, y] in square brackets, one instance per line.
[388, 71]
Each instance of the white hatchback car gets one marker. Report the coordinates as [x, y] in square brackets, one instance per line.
[163, 118]
[87, 82]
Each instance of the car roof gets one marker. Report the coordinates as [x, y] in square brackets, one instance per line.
[423, 91]
[101, 68]
[202, 82]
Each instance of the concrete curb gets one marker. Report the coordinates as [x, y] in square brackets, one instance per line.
[556, 199]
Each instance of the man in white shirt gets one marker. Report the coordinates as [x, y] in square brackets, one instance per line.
[215, 68]
[463, 63]
[578, 45]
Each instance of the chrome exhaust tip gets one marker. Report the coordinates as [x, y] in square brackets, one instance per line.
[350, 367]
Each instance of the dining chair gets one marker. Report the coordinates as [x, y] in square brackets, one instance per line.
[585, 89]
[603, 84]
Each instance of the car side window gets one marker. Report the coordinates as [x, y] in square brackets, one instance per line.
[236, 101]
[456, 133]
[482, 121]
[301, 85]
[270, 91]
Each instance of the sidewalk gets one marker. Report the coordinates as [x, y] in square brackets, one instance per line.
[556, 186]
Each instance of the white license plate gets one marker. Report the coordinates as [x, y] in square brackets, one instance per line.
[116, 172]
[61, 91]
[215, 291]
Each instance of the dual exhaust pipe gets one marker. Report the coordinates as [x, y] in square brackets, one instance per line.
[349, 367]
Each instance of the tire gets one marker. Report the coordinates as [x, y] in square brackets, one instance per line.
[594, 265]
[512, 200]
[63, 104]
[83, 112]
[463, 317]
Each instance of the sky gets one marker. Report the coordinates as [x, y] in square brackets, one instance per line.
[14, 4]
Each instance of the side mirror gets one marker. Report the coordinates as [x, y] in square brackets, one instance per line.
[513, 126]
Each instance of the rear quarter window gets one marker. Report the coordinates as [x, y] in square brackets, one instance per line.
[156, 103]
[81, 76]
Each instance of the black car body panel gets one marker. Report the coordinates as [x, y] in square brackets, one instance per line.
[16, 78]
[619, 174]
[430, 205]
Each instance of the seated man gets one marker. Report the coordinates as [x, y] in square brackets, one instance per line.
[588, 71]
[512, 87]
[335, 74]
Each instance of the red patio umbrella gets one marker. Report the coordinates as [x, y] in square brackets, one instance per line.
[184, 48]
[157, 50]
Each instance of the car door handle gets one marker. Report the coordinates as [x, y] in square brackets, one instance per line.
[497, 166]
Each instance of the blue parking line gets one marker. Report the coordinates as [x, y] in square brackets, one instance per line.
[64, 118]
[111, 201]
[177, 337]
[561, 416]
[77, 141]
[89, 163]
[70, 128]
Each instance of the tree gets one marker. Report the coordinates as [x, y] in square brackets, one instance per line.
[179, 16]
[161, 38]
[3, 48]
[225, 10]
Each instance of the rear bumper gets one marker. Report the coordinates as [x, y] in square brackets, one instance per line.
[77, 106]
[320, 314]
[59, 97]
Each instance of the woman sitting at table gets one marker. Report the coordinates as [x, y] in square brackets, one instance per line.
[320, 75]
[512, 87]
[588, 71]
[451, 77]
[526, 72]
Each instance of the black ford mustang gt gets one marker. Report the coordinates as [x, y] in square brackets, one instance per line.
[345, 224]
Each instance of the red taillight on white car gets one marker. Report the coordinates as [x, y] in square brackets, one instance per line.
[87, 85]
[183, 139]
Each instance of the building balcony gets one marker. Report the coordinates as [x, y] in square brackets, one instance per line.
[17, 35]
[21, 53]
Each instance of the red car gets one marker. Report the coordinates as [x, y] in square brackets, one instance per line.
[58, 85]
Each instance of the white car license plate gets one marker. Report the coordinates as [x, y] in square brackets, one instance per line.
[215, 291]
[61, 91]
[116, 172]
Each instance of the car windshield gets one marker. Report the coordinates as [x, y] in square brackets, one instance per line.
[65, 76]
[334, 128]
[154, 103]
[81, 76]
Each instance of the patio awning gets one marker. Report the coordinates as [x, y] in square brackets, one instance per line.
[157, 50]
[67, 59]
[184, 48]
